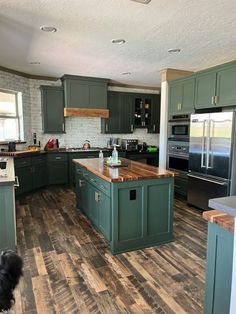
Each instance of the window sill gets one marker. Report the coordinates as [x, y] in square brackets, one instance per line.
[17, 142]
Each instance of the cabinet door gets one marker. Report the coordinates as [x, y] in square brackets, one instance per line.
[52, 109]
[93, 199]
[58, 172]
[24, 175]
[218, 270]
[7, 221]
[155, 119]
[175, 98]
[76, 94]
[112, 124]
[126, 113]
[39, 175]
[205, 90]
[187, 105]
[226, 87]
[105, 216]
[138, 111]
[82, 192]
[98, 96]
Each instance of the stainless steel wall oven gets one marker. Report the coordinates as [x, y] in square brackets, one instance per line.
[179, 127]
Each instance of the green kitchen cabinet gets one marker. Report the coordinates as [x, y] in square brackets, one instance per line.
[93, 199]
[81, 192]
[181, 96]
[31, 173]
[216, 87]
[155, 115]
[218, 270]
[57, 165]
[104, 212]
[85, 92]
[142, 110]
[120, 113]
[7, 220]
[52, 109]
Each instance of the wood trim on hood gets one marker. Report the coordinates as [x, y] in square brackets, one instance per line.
[85, 112]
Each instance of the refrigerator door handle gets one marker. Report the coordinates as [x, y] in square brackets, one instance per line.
[206, 179]
[203, 145]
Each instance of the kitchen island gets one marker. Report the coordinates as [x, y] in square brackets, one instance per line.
[131, 206]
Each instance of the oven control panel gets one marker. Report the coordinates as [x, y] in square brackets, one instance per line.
[178, 150]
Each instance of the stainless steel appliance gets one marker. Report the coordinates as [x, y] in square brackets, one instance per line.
[177, 160]
[129, 144]
[178, 127]
[211, 157]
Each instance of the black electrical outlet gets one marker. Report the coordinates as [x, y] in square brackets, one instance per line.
[132, 195]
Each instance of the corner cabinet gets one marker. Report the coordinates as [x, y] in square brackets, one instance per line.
[218, 270]
[85, 92]
[120, 113]
[52, 109]
[216, 87]
[181, 96]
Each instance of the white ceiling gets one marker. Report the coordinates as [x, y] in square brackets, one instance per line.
[204, 30]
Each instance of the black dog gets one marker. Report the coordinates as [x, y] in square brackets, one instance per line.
[11, 266]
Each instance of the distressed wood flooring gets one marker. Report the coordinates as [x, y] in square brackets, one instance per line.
[68, 267]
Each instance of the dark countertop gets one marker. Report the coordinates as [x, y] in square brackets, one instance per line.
[134, 170]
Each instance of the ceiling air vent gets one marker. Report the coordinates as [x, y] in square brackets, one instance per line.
[142, 1]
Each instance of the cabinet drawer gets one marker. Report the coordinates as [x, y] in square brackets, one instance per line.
[57, 157]
[181, 186]
[38, 159]
[99, 183]
[22, 162]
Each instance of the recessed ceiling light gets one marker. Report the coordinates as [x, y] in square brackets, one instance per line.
[48, 29]
[126, 73]
[34, 62]
[142, 1]
[119, 41]
[174, 50]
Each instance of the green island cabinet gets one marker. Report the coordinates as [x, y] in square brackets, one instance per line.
[7, 218]
[84, 92]
[181, 96]
[130, 215]
[216, 87]
[218, 270]
[31, 173]
[52, 100]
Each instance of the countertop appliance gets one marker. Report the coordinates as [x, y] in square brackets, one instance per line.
[212, 157]
[129, 144]
[11, 146]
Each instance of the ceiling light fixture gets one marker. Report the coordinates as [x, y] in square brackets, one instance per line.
[119, 41]
[34, 62]
[48, 29]
[142, 1]
[174, 50]
[126, 73]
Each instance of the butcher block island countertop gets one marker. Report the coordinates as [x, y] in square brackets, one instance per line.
[132, 172]
[131, 206]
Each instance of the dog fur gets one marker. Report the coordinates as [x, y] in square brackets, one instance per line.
[11, 266]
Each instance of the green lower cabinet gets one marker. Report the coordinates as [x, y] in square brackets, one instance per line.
[93, 198]
[218, 270]
[24, 175]
[104, 212]
[58, 171]
[7, 220]
[39, 175]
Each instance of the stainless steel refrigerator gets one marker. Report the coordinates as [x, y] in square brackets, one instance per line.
[211, 157]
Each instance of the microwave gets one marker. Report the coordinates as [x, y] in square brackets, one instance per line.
[178, 127]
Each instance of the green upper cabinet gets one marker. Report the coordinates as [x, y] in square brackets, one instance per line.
[52, 109]
[205, 90]
[143, 110]
[155, 115]
[226, 87]
[120, 113]
[181, 96]
[85, 92]
[216, 87]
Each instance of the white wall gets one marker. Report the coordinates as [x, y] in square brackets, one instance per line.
[78, 129]
[164, 125]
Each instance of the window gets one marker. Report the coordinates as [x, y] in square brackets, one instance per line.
[11, 119]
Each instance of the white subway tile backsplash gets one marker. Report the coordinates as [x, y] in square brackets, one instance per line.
[78, 129]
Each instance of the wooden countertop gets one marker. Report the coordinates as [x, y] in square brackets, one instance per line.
[220, 218]
[134, 170]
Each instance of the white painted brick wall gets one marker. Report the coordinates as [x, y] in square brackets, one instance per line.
[78, 129]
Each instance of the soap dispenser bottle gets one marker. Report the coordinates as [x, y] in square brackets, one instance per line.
[115, 155]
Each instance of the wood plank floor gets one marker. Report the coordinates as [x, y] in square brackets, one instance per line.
[69, 269]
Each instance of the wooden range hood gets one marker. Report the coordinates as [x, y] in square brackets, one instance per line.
[85, 112]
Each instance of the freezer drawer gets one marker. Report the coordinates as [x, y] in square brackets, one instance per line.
[200, 190]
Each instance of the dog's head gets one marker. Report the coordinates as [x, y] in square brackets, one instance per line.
[11, 266]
